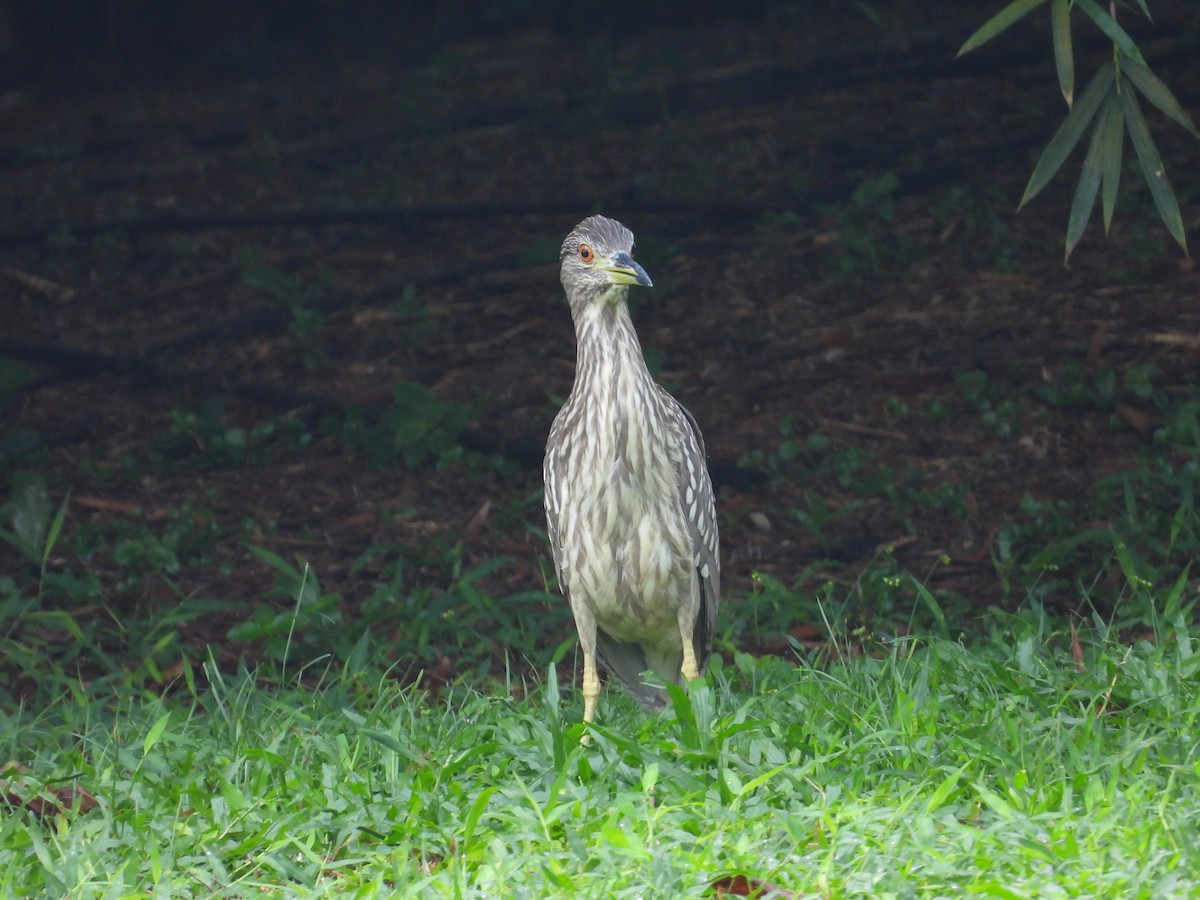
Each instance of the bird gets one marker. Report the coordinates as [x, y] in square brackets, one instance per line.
[630, 509]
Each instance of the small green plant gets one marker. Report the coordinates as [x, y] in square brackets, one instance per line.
[1001, 415]
[290, 291]
[972, 212]
[772, 609]
[416, 429]
[1140, 521]
[62, 619]
[306, 626]
[423, 605]
[909, 493]
[1075, 386]
[203, 437]
[410, 310]
[866, 242]
[820, 514]
[896, 407]
[789, 454]
[185, 540]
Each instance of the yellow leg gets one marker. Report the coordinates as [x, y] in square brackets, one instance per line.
[591, 687]
[689, 668]
[687, 623]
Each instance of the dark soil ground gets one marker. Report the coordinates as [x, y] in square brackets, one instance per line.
[845, 298]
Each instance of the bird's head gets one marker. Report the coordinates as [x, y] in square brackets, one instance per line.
[597, 257]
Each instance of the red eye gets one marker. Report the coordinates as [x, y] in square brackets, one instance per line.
[585, 253]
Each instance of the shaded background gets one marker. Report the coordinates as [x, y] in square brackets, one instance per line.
[280, 285]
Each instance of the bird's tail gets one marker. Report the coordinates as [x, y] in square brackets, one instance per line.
[627, 661]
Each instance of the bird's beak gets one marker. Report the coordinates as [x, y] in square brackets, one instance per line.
[622, 269]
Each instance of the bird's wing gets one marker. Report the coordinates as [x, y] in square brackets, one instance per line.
[554, 477]
[699, 507]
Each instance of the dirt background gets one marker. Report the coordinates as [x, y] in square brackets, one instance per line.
[277, 216]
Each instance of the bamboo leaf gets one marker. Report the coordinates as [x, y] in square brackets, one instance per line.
[1069, 132]
[1145, 10]
[1111, 29]
[1064, 55]
[1152, 168]
[1153, 89]
[1085, 191]
[1114, 143]
[1015, 11]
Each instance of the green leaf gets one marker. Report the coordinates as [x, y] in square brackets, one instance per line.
[1152, 167]
[1064, 55]
[689, 731]
[1171, 605]
[1069, 132]
[649, 778]
[276, 562]
[930, 602]
[474, 814]
[998, 804]
[1145, 10]
[1111, 29]
[155, 732]
[1015, 11]
[1085, 191]
[943, 791]
[1113, 125]
[1159, 94]
[391, 743]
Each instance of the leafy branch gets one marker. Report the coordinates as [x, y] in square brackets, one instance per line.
[1108, 106]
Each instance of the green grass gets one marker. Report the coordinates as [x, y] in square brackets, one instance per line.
[1021, 761]
[1022, 765]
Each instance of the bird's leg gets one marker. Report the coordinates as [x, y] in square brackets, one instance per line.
[591, 686]
[585, 624]
[690, 668]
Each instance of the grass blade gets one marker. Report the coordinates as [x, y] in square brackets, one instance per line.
[689, 732]
[56, 528]
[386, 740]
[930, 602]
[1152, 167]
[1069, 132]
[473, 816]
[1064, 54]
[1015, 11]
[156, 732]
[945, 788]
[275, 561]
[1171, 604]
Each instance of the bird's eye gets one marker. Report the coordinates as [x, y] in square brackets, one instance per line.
[585, 253]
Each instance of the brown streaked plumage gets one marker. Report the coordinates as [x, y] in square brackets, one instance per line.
[629, 503]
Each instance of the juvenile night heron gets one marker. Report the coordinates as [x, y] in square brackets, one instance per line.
[629, 504]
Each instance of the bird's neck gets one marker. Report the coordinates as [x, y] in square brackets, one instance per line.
[623, 411]
[608, 346]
